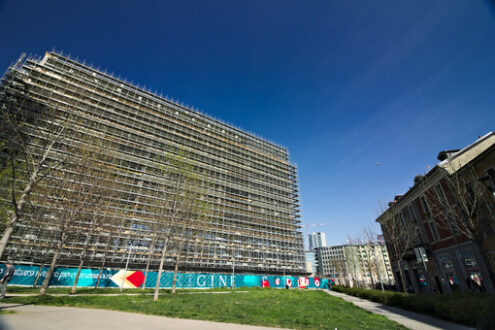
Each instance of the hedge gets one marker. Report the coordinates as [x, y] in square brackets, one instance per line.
[467, 308]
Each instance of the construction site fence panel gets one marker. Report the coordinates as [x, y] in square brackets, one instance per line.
[113, 278]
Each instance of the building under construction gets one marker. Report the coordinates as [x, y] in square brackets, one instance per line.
[252, 222]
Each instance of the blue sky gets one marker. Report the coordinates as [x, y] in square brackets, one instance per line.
[364, 94]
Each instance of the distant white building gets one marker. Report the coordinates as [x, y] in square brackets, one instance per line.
[355, 264]
[317, 240]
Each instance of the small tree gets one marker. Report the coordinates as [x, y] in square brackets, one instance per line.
[369, 237]
[104, 257]
[463, 204]
[190, 235]
[154, 227]
[102, 180]
[148, 259]
[368, 242]
[5, 177]
[338, 264]
[352, 260]
[399, 237]
[180, 204]
[71, 199]
[30, 137]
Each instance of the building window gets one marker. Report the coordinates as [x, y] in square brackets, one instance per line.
[411, 213]
[471, 266]
[448, 268]
[418, 235]
[426, 209]
[434, 230]
[491, 183]
[440, 193]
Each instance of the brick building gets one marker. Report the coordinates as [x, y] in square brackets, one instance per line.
[441, 233]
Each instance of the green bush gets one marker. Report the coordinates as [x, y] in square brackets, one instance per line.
[469, 308]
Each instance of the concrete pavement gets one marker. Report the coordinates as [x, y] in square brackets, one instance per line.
[29, 317]
[408, 319]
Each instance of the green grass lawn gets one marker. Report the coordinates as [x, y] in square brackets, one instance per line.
[299, 309]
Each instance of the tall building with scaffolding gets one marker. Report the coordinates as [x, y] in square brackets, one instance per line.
[254, 222]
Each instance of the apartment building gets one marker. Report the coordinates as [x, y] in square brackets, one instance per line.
[355, 264]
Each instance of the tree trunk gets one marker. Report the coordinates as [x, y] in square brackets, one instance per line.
[103, 261]
[74, 286]
[370, 268]
[160, 268]
[81, 262]
[48, 277]
[6, 234]
[23, 199]
[402, 279]
[371, 276]
[148, 262]
[176, 269]
[99, 276]
[38, 276]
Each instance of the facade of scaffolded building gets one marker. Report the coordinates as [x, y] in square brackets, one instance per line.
[253, 220]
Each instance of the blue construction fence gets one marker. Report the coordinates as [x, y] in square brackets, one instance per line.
[62, 276]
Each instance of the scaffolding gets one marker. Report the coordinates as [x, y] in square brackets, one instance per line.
[253, 196]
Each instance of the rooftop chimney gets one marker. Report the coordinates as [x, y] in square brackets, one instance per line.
[417, 179]
[443, 155]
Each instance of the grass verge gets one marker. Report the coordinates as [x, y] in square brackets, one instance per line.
[276, 308]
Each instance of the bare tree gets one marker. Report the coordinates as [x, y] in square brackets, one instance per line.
[180, 205]
[190, 235]
[463, 204]
[372, 244]
[148, 259]
[368, 238]
[102, 180]
[104, 257]
[71, 201]
[339, 267]
[352, 260]
[31, 137]
[399, 236]
[5, 194]
[154, 226]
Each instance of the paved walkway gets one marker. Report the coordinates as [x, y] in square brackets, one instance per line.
[29, 317]
[409, 319]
